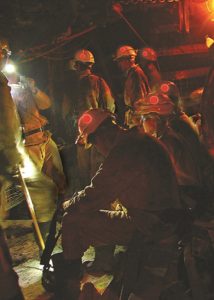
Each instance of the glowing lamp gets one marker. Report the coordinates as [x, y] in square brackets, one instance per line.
[209, 42]
[210, 6]
[9, 68]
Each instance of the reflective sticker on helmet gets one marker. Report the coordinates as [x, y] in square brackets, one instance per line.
[82, 55]
[145, 53]
[154, 100]
[86, 119]
[164, 87]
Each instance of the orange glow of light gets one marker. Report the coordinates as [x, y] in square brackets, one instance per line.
[154, 100]
[164, 88]
[210, 5]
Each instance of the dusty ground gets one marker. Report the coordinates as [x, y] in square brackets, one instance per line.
[25, 255]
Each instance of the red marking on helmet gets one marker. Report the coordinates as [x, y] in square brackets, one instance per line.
[145, 53]
[82, 55]
[154, 99]
[86, 119]
[164, 88]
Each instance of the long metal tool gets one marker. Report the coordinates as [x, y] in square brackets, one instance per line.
[31, 209]
[117, 8]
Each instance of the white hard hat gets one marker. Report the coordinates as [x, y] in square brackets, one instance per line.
[160, 104]
[89, 121]
[84, 56]
[125, 51]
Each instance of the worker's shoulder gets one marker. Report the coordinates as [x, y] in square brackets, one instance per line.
[95, 77]
[139, 152]
[136, 141]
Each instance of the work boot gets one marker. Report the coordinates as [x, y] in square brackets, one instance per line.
[103, 262]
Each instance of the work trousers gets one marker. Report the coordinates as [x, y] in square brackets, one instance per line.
[80, 230]
[155, 272]
[47, 159]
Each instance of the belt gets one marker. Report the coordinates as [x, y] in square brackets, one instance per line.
[40, 129]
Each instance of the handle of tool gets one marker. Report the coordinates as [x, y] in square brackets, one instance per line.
[31, 209]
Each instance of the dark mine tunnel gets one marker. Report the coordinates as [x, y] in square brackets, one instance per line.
[107, 150]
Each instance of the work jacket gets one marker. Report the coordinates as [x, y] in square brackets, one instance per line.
[87, 91]
[192, 163]
[136, 86]
[29, 106]
[10, 128]
[138, 171]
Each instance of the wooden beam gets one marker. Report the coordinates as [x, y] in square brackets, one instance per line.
[183, 50]
[185, 74]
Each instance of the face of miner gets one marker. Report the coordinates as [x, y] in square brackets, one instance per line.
[124, 63]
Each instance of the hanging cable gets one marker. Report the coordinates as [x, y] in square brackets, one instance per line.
[60, 45]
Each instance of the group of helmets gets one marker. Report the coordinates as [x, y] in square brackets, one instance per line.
[85, 56]
[145, 53]
[164, 101]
